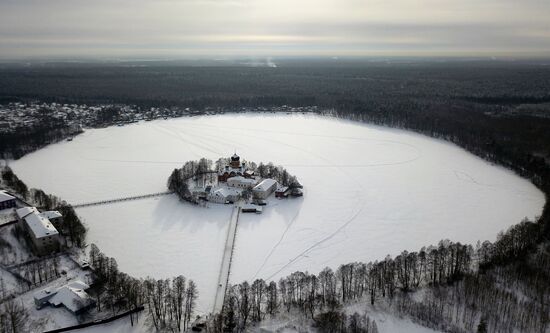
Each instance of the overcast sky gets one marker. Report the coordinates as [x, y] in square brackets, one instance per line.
[221, 28]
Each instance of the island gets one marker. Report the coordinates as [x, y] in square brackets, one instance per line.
[229, 180]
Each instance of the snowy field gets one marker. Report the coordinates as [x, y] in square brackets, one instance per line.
[369, 191]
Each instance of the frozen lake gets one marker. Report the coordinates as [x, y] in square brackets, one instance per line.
[369, 191]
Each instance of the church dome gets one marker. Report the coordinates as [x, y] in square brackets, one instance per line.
[235, 158]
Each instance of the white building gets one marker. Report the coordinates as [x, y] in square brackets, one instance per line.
[223, 195]
[264, 188]
[241, 182]
[41, 231]
[72, 296]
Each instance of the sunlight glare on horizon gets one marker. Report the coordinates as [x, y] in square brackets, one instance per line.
[173, 28]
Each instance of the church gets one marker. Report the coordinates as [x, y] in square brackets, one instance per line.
[234, 169]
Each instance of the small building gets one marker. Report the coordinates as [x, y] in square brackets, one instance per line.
[72, 296]
[6, 200]
[264, 188]
[223, 195]
[241, 182]
[281, 191]
[250, 208]
[42, 233]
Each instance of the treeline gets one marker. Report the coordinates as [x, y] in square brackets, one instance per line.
[70, 226]
[314, 295]
[26, 139]
[178, 182]
[463, 287]
[509, 290]
[277, 172]
[170, 302]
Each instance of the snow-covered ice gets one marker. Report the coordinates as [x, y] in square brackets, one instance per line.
[369, 191]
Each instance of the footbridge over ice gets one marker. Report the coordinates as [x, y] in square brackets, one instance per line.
[130, 198]
[138, 197]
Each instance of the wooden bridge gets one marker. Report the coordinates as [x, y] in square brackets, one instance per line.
[137, 197]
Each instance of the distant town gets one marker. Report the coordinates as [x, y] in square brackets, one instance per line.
[18, 115]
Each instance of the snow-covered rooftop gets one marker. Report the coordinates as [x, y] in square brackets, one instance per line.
[51, 214]
[252, 207]
[265, 184]
[4, 196]
[225, 192]
[281, 188]
[37, 223]
[73, 296]
[241, 179]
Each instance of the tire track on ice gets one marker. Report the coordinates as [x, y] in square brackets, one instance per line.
[313, 246]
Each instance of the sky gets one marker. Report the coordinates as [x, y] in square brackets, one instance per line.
[225, 28]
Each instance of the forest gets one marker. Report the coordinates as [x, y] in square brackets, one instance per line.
[461, 292]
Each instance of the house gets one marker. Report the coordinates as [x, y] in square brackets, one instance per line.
[72, 296]
[6, 200]
[264, 188]
[281, 191]
[241, 182]
[223, 195]
[42, 233]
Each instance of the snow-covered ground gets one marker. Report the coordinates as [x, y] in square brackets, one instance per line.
[369, 191]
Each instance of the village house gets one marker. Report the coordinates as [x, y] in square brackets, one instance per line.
[42, 233]
[6, 200]
[281, 191]
[72, 296]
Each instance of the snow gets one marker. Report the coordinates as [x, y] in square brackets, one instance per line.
[386, 321]
[368, 191]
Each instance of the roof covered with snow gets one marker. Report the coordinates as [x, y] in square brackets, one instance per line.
[51, 214]
[241, 179]
[72, 296]
[4, 196]
[37, 223]
[224, 192]
[265, 184]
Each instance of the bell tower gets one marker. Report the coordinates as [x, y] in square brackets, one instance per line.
[235, 161]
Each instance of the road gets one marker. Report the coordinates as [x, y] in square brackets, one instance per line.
[223, 278]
